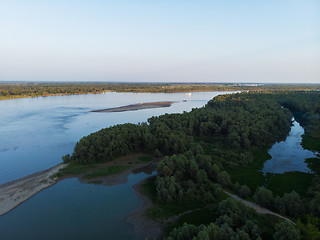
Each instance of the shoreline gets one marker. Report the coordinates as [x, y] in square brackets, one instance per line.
[105, 91]
[137, 106]
[143, 226]
[16, 192]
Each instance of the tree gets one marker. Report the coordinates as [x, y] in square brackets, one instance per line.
[291, 204]
[264, 197]
[224, 178]
[244, 191]
[286, 231]
[66, 158]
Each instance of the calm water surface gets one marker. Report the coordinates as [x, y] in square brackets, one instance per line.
[71, 210]
[36, 132]
[288, 155]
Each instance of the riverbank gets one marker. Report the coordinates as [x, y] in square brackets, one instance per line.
[110, 173]
[138, 106]
[143, 225]
[12, 194]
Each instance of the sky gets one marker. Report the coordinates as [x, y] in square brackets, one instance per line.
[160, 41]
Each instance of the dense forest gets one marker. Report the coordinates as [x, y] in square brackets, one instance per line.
[198, 150]
[36, 89]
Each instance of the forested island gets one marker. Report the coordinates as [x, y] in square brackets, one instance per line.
[216, 149]
[37, 89]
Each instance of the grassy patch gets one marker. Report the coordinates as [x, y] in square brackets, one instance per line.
[106, 171]
[314, 165]
[73, 169]
[288, 182]
[311, 142]
[251, 174]
[198, 217]
[145, 159]
[165, 210]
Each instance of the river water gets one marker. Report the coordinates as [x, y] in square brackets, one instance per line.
[289, 155]
[36, 132]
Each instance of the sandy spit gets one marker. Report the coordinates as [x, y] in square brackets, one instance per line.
[137, 106]
[12, 194]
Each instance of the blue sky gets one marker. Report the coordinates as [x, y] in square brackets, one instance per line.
[160, 41]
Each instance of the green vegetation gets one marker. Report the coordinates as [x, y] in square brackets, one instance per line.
[282, 183]
[74, 169]
[223, 144]
[198, 216]
[106, 171]
[164, 209]
[231, 220]
[251, 175]
[314, 165]
[311, 142]
[145, 159]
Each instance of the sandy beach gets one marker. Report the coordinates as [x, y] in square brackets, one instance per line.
[138, 106]
[16, 192]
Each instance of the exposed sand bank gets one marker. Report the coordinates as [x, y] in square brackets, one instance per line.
[16, 192]
[137, 106]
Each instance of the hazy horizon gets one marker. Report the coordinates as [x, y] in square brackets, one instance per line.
[168, 41]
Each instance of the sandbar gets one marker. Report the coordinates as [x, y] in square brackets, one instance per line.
[18, 191]
[138, 106]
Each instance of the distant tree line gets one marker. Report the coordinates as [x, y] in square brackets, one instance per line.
[35, 89]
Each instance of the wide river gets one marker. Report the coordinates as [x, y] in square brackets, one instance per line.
[36, 132]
